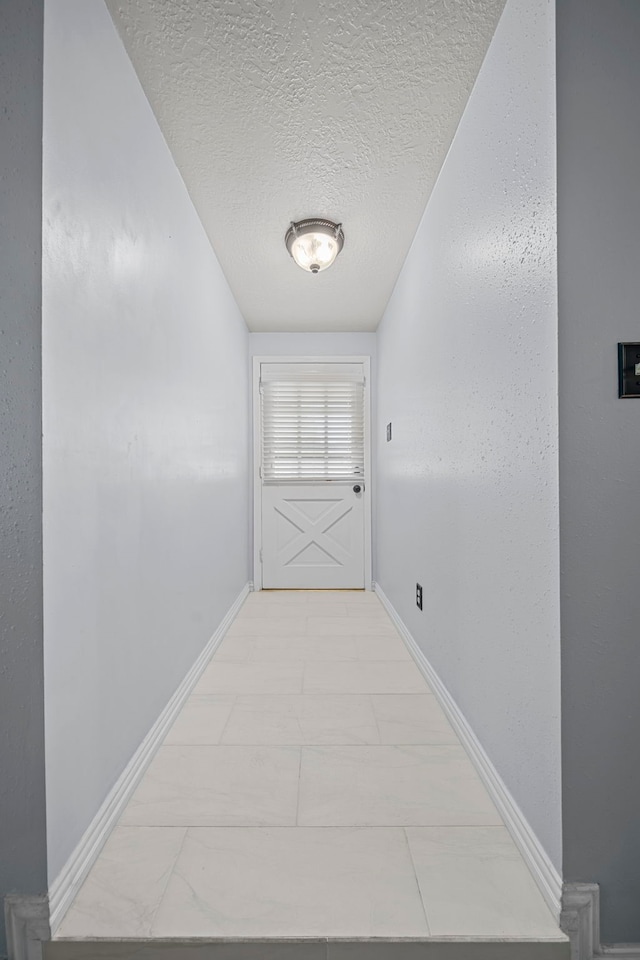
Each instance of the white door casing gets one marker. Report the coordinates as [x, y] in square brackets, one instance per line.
[312, 535]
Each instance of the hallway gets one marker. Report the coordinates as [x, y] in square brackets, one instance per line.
[312, 787]
[480, 163]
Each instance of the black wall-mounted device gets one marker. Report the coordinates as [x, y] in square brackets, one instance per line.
[629, 370]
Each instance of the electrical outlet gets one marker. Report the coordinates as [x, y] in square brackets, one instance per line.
[418, 596]
[388, 432]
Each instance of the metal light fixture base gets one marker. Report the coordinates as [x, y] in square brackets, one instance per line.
[319, 228]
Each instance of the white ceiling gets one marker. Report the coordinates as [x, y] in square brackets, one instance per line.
[284, 109]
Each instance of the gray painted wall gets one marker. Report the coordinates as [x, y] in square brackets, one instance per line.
[22, 800]
[598, 83]
[468, 487]
[146, 421]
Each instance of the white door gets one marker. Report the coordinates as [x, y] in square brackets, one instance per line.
[313, 536]
[312, 419]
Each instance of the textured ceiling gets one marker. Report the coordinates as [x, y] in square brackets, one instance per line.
[284, 109]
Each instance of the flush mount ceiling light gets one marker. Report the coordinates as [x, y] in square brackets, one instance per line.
[314, 244]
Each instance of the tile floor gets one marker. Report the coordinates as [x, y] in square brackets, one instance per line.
[311, 787]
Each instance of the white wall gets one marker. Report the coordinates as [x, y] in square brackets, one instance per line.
[468, 487]
[313, 344]
[146, 421]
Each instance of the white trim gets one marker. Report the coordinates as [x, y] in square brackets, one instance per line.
[368, 472]
[257, 481]
[66, 885]
[544, 873]
[27, 922]
[623, 951]
[580, 920]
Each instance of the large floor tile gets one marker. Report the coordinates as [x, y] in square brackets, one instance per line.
[391, 786]
[297, 882]
[336, 595]
[322, 647]
[269, 626]
[416, 718]
[361, 598]
[123, 890]
[328, 648]
[360, 625]
[372, 610]
[346, 596]
[259, 648]
[364, 676]
[221, 785]
[309, 609]
[201, 720]
[474, 882]
[262, 597]
[231, 677]
[288, 648]
[308, 719]
[374, 647]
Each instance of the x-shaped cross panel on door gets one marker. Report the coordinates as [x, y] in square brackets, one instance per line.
[313, 530]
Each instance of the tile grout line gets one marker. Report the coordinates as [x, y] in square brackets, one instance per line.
[314, 826]
[166, 886]
[375, 718]
[297, 823]
[341, 693]
[415, 875]
[358, 744]
[317, 826]
[226, 724]
[302, 682]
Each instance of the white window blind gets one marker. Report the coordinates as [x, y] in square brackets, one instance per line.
[312, 423]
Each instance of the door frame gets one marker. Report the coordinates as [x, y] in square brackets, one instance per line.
[257, 480]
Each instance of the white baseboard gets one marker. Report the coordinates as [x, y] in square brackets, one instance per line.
[27, 921]
[621, 951]
[544, 873]
[580, 920]
[68, 882]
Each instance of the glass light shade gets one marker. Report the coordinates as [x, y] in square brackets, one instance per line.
[314, 244]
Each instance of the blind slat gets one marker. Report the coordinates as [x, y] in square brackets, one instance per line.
[312, 429]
